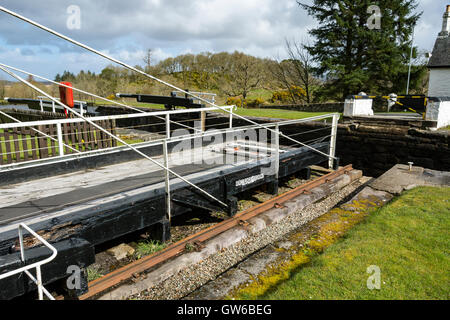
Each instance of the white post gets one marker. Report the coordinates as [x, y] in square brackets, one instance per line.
[81, 109]
[167, 180]
[168, 126]
[53, 107]
[333, 140]
[231, 118]
[60, 139]
[277, 151]
[39, 283]
[40, 103]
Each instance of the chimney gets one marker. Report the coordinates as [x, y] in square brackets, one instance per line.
[446, 23]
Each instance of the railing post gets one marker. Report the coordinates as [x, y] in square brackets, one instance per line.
[41, 104]
[333, 141]
[22, 250]
[277, 150]
[39, 283]
[81, 109]
[167, 180]
[53, 107]
[60, 139]
[168, 126]
[231, 117]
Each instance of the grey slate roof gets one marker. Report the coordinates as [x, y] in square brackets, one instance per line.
[441, 53]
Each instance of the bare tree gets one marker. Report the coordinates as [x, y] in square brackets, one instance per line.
[241, 75]
[297, 70]
[148, 59]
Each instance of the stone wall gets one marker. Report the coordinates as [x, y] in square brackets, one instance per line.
[375, 149]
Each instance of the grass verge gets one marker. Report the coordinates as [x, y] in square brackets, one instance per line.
[407, 239]
[277, 113]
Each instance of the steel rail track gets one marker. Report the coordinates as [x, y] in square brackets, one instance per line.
[124, 273]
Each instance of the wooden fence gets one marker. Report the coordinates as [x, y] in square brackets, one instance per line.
[24, 144]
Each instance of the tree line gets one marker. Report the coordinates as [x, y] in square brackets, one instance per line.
[343, 56]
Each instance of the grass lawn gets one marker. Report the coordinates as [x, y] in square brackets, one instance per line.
[276, 113]
[408, 239]
[131, 103]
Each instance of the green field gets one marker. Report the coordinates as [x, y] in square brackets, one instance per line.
[408, 239]
[276, 113]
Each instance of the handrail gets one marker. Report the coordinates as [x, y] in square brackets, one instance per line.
[114, 117]
[168, 140]
[37, 265]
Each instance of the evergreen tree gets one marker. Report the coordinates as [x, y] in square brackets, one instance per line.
[356, 57]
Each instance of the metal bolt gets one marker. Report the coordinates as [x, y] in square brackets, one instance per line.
[410, 165]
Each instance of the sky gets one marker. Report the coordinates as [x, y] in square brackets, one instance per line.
[126, 29]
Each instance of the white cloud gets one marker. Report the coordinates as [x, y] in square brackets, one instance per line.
[126, 29]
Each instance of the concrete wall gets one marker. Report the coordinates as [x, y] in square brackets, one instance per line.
[438, 109]
[376, 149]
[439, 85]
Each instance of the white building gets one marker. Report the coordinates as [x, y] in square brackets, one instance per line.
[439, 64]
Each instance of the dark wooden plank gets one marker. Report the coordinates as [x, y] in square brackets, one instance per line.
[66, 133]
[15, 141]
[79, 136]
[86, 136]
[73, 135]
[99, 135]
[42, 142]
[25, 132]
[2, 149]
[105, 125]
[113, 131]
[8, 147]
[34, 152]
[52, 132]
[91, 136]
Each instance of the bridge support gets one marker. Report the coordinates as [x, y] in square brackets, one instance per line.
[161, 231]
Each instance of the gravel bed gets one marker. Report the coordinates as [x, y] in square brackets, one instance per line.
[192, 223]
[193, 277]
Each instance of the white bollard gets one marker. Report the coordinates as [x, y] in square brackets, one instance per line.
[438, 109]
[358, 106]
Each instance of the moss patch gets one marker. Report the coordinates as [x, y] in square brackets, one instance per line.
[407, 239]
[319, 235]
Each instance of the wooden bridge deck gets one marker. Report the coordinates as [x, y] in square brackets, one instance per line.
[42, 199]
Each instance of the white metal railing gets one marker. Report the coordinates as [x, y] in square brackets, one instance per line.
[37, 265]
[83, 104]
[168, 138]
[114, 117]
